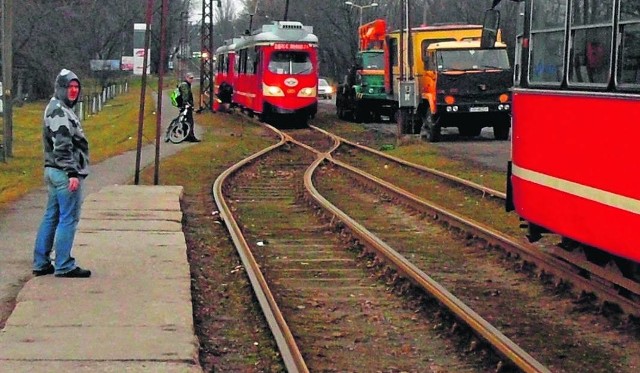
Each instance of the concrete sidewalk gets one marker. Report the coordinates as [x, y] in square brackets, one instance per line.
[133, 315]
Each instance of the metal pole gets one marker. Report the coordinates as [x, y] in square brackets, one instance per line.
[143, 91]
[163, 56]
[286, 10]
[206, 57]
[7, 77]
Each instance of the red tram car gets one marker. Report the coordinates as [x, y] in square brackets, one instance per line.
[575, 132]
[276, 72]
[225, 72]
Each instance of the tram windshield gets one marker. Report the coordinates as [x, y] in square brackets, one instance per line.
[290, 62]
[472, 59]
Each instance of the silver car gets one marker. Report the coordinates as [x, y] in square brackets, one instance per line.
[324, 89]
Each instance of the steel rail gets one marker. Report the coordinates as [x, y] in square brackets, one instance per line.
[546, 260]
[291, 356]
[527, 251]
[469, 184]
[481, 327]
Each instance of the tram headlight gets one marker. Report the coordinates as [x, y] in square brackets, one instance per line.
[307, 92]
[273, 91]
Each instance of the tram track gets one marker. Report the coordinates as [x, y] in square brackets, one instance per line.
[511, 353]
[325, 147]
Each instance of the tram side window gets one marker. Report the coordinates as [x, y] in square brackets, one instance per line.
[547, 41]
[591, 30]
[252, 60]
[220, 63]
[546, 57]
[590, 57]
[629, 69]
[290, 62]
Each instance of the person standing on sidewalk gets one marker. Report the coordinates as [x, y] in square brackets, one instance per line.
[187, 100]
[66, 164]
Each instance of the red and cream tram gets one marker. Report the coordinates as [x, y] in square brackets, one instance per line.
[277, 72]
[575, 132]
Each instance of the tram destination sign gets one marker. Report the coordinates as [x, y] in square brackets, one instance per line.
[292, 46]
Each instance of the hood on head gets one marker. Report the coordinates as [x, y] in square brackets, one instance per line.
[62, 83]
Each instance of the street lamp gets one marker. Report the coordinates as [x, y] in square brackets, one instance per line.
[361, 7]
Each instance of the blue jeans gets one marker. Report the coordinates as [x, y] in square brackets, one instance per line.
[59, 223]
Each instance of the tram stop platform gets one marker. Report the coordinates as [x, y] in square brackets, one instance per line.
[133, 315]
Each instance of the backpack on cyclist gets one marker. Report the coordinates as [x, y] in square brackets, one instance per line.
[176, 97]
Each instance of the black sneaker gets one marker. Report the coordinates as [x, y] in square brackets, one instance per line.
[76, 273]
[48, 270]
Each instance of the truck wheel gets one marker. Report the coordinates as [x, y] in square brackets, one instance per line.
[359, 114]
[501, 129]
[430, 128]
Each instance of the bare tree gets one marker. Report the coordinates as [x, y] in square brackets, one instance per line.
[52, 34]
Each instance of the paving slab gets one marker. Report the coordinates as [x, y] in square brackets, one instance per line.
[99, 343]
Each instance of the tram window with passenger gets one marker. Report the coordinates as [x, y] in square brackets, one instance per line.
[290, 62]
[591, 29]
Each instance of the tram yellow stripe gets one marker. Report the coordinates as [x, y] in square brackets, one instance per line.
[593, 194]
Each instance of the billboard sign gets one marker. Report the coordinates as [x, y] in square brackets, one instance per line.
[104, 65]
[127, 63]
[139, 30]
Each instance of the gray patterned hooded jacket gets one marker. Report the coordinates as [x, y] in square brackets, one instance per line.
[65, 146]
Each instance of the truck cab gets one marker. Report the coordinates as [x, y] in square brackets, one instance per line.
[467, 87]
[361, 96]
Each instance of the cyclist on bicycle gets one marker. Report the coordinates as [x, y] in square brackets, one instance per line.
[187, 101]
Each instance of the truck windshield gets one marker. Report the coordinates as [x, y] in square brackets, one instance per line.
[472, 59]
[287, 62]
[373, 60]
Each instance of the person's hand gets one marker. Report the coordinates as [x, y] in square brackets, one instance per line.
[74, 184]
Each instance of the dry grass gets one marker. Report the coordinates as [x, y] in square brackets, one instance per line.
[110, 132]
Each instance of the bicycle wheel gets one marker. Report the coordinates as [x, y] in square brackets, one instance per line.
[179, 132]
[167, 133]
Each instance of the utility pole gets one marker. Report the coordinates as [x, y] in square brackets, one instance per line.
[206, 56]
[163, 57]
[143, 92]
[286, 11]
[7, 77]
